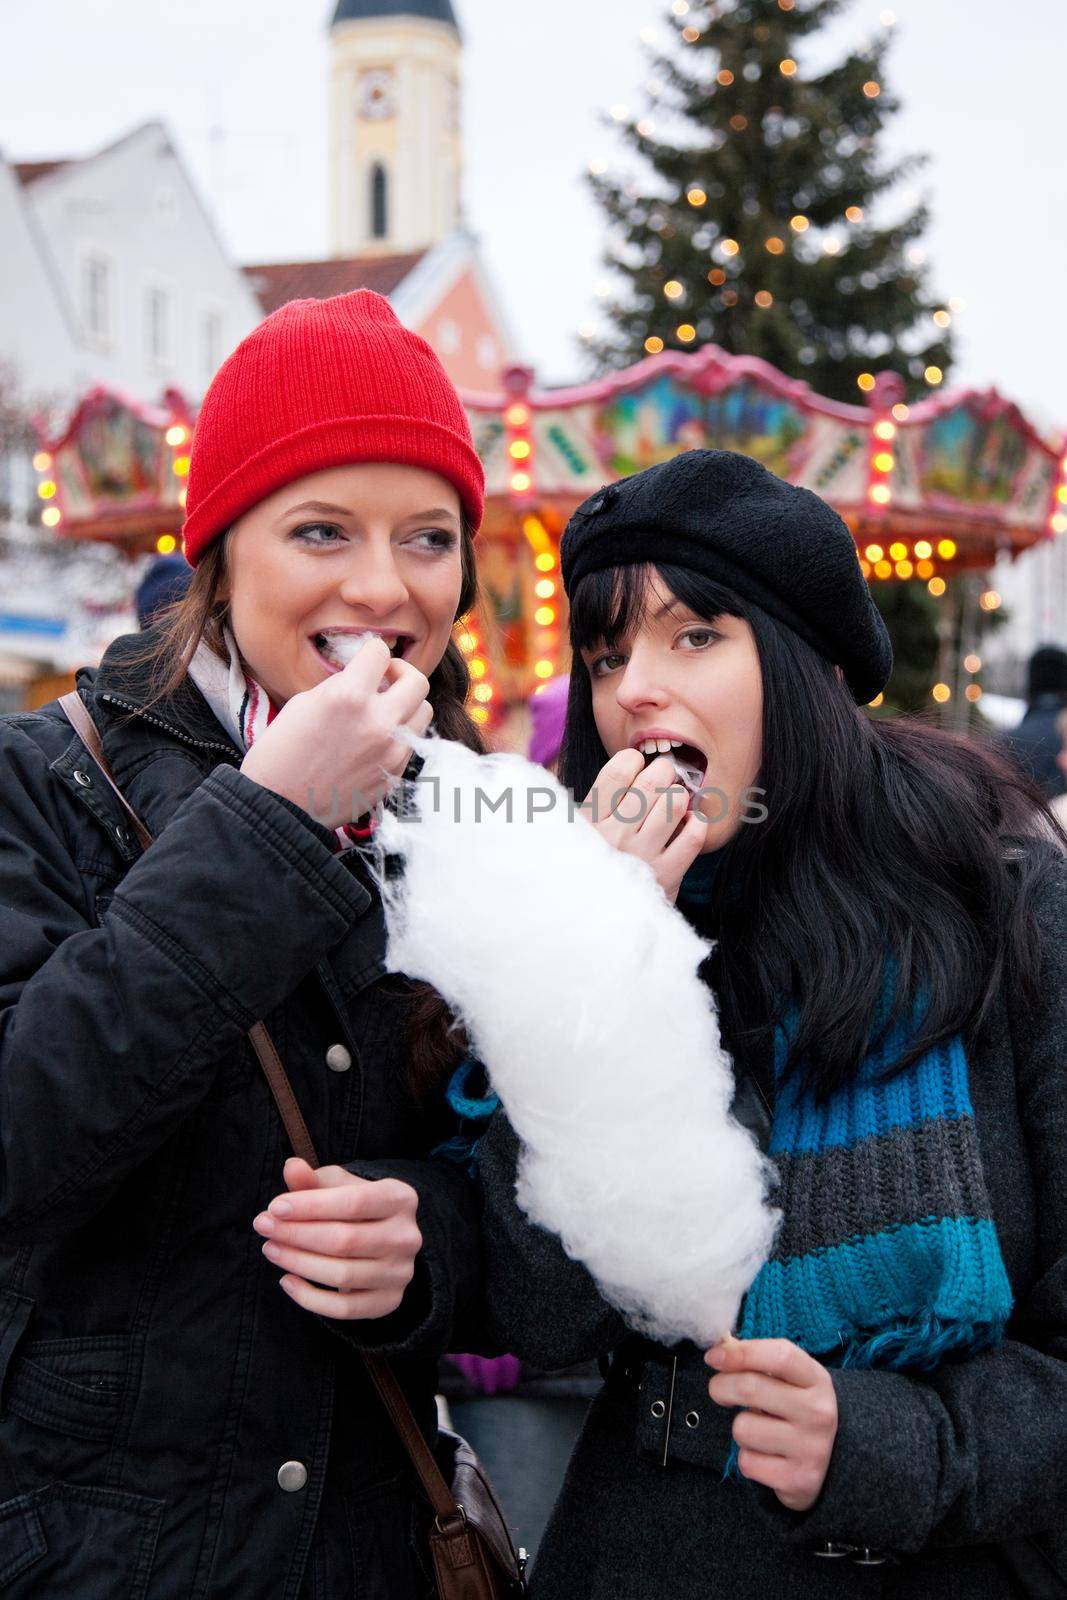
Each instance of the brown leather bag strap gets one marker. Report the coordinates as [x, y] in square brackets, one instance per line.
[74, 709]
[381, 1374]
[284, 1097]
[437, 1489]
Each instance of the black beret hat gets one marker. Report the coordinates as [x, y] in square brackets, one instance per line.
[724, 515]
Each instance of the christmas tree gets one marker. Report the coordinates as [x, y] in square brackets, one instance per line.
[761, 219]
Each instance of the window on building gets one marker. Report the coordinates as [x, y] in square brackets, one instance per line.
[212, 342]
[379, 202]
[449, 336]
[97, 296]
[157, 324]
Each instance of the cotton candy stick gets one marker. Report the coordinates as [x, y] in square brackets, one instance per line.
[577, 983]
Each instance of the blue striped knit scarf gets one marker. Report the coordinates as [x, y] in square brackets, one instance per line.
[888, 1254]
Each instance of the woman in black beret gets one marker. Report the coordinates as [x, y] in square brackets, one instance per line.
[889, 906]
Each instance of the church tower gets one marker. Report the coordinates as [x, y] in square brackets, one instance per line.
[394, 126]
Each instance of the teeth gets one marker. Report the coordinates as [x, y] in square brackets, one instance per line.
[659, 747]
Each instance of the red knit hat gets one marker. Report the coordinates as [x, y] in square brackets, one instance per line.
[321, 383]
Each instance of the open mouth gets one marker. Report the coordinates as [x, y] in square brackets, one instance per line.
[338, 647]
[690, 762]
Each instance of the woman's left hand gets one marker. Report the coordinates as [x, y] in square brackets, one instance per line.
[787, 1427]
[356, 1236]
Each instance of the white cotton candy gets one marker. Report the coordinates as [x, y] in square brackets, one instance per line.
[577, 983]
[345, 647]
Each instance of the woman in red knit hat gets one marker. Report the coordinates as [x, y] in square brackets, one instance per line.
[182, 1308]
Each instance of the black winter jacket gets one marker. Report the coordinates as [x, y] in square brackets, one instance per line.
[154, 1378]
[956, 1480]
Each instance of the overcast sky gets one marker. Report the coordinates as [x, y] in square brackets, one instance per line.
[242, 85]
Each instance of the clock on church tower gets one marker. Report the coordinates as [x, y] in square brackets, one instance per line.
[395, 155]
[376, 95]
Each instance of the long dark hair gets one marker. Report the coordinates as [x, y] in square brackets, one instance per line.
[884, 841]
[434, 1045]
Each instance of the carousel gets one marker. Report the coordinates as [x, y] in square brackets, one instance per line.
[941, 488]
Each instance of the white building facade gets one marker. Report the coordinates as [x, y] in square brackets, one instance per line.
[142, 279]
[111, 273]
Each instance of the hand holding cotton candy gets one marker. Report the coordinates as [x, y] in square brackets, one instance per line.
[577, 983]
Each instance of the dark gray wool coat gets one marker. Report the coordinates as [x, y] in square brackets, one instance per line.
[948, 1474]
[153, 1377]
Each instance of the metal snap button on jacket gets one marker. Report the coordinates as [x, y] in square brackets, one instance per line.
[292, 1475]
[338, 1059]
[82, 778]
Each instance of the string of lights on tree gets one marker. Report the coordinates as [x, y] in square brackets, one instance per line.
[771, 254]
[762, 226]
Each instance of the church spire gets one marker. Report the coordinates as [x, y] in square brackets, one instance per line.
[395, 156]
[364, 10]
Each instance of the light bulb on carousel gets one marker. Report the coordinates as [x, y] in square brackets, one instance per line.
[47, 488]
[545, 601]
[881, 391]
[543, 606]
[1057, 522]
[468, 637]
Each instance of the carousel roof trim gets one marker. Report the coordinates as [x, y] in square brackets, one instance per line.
[708, 369]
[156, 415]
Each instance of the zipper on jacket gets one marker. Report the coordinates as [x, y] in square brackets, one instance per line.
[168, 727]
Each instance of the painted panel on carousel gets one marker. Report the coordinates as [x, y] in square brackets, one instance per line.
[114, 459]
[645, 426]
[981, 454]
[488, 431]
[798, 442]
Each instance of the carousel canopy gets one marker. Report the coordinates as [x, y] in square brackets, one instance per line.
[966, 465]
[964, 468]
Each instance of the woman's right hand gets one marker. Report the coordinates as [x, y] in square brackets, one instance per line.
[337, 749]
[642, 812]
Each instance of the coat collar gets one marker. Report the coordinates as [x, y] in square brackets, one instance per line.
[124, 687]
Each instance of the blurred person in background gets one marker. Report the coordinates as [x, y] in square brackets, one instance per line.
[1037, 741]
[1058, 804]
[165, 583]
[548, 713]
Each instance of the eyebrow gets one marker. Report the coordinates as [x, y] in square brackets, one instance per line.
[323, 508]
[320, 508]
